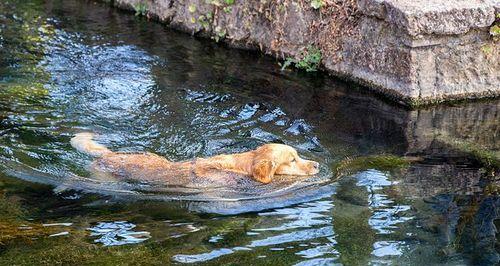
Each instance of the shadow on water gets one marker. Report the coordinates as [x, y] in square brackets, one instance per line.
[70, 66]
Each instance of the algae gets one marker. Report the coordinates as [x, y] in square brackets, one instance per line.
[351, 166]
[489, 159]
[355, 236]
[13, 226]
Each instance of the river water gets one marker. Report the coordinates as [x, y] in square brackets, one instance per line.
[72, 66]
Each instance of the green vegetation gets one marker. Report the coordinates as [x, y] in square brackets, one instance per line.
[227, 9]
[192, 8]
[13, 226]
[495, 28]
[25, 85]
[355, 236]
[308, 60]
[141, 9]
[351, 166]
[317, 4]
[28, 93]
[487, 49]
[207, 21]
[219, 3]
[204, 20]
[490, 160]
[219, 34]
[18, 245]
[9, 211]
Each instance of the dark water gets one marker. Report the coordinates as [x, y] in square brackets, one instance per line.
[72, 66]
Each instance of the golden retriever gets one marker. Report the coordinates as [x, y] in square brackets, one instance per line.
[260, 164]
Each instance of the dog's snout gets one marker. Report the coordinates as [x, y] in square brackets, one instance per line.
[315, 167]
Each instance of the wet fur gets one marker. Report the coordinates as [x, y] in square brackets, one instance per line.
[260, 164]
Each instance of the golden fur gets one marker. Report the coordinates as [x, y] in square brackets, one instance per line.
[261, 164]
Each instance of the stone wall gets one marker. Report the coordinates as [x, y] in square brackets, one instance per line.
[417, 51]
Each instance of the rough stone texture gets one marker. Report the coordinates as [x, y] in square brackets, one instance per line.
[442, 17]
[418, 51]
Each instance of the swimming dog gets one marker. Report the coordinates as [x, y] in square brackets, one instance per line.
[260, 164]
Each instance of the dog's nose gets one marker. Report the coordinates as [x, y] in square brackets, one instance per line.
[315, 166]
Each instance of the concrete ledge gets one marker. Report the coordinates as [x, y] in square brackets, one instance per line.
[442, 17]
[417, 51]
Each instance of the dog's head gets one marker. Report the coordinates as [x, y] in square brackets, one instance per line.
[280, 159]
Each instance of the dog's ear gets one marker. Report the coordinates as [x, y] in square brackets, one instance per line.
[263, 171]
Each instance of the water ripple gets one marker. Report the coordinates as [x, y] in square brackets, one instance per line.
[117, 233]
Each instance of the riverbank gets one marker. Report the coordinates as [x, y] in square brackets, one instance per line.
[417, 53]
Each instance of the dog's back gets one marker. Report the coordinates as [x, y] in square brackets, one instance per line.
[140, 166]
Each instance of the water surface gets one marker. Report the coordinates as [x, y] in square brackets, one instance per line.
[72, 66]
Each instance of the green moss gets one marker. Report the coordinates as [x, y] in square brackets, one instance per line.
[24, 242]
[13, 227]
[355, 236]
[77, 249]
[73, 251]
[490, 160]
[351, 166]
[415, 103]
[284, 257]
[233, 231]
[9, 210]
[31, 92]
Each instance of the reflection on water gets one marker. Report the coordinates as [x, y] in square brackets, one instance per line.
[386, 214]
[283, 229]
[69, 66]
[117, 233]
[307, 228]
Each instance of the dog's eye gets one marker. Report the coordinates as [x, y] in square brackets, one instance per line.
[294, 160]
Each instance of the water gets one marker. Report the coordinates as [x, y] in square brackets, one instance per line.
[72, 66]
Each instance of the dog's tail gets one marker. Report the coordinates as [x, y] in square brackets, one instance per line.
[84, 143]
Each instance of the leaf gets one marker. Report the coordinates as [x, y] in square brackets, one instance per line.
[288, 62]
[192, 8]
[495, 30]
[316, 4]
[216, 3]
